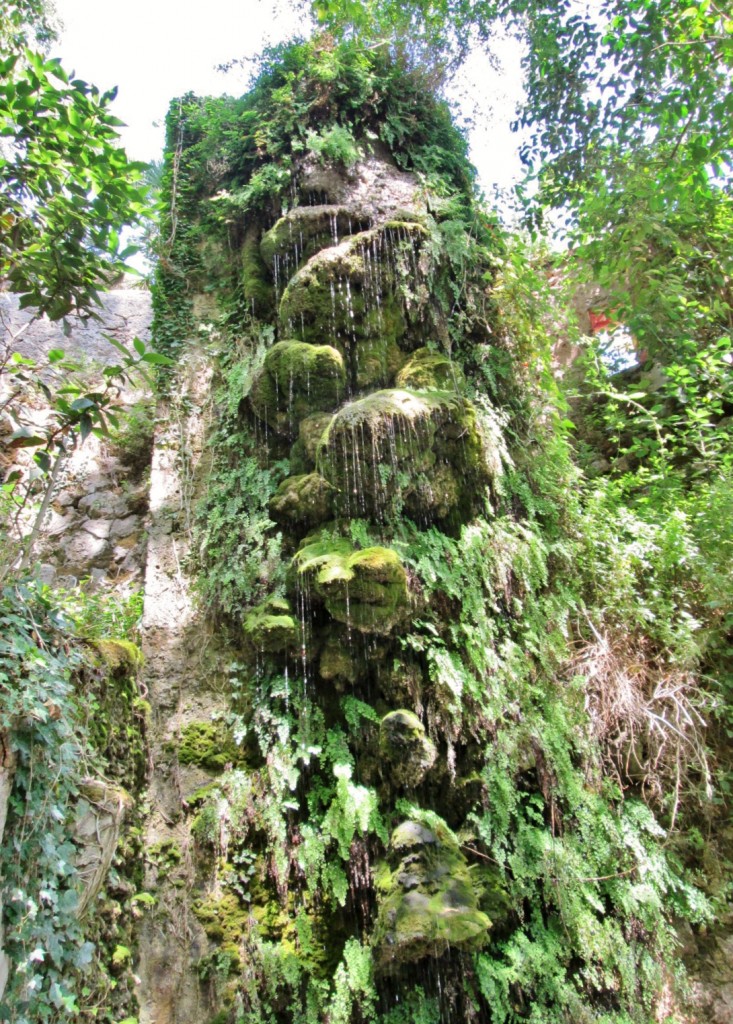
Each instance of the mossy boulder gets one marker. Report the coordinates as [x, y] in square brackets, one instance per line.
[345, 660]
[426, 370]
[207, 745]
[119, 655]
[303, 232]
[303, 453]
[338, 664]
[311, 431]
[407, 752]
[302, 501]
[296, 380]
[396, 451]
[364, 589]
[272, 627]
[352, 294]
[428, 898]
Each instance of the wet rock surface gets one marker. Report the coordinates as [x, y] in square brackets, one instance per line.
[419, 449]
[407, 751]
[271, 626]
[366, 589]
[379, 429]
[295, 381]
[428, 901]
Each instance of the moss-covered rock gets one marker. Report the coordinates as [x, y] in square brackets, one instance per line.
[257, 289]
[226, 921]
[207, 745]
[364, 589]
[352, 294]
[311, 431]
[295, 381]
[407, 753]
[302, 501]
[119, 655]
[426, 370]
[399, 450]
[337, 663]
[303, 232]
[428, 898]
[271, 626]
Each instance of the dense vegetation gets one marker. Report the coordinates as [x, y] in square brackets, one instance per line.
[572, 641]
[566, 658]
[69, 707]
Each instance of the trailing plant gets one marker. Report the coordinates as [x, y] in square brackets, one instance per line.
[49, 684]
[236, 551]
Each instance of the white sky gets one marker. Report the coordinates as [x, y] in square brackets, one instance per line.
[155, 50]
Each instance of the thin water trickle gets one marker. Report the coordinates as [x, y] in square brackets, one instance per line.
[276, 275]
[362, 487]
[290, 402]
[348, 616]
[333, 308]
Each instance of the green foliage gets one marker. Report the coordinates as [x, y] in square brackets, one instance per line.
[39, 713]
[59, 720]
[67, 188]
[331, 99]
[98, 615]
[335, 145]
[133, 441]
[28, 22]
[237, 554]
[627, 128]
[552, 633]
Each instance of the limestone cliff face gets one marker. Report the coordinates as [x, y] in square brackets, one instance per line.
[353, 387]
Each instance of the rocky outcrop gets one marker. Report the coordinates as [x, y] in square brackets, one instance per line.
[428, 901]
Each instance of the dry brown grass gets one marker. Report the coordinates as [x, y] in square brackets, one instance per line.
[649, 717]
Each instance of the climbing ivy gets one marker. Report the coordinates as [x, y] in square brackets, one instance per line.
[60, 726]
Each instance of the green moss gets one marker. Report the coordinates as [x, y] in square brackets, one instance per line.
[302, 501]
[207, 745]
[407, 753]
[377, 358]
[225, 921]
[257, 289]
[399, 450]
[352, 292]
[271, 627]
[222, 1017]
[428, 898]
[337, 662]
[116, 717]
[307, 229]
[119, 655]
[427, 370]
[201, 795]
[165, 855]
[365, 589]
[295, 381]
[311, 432]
